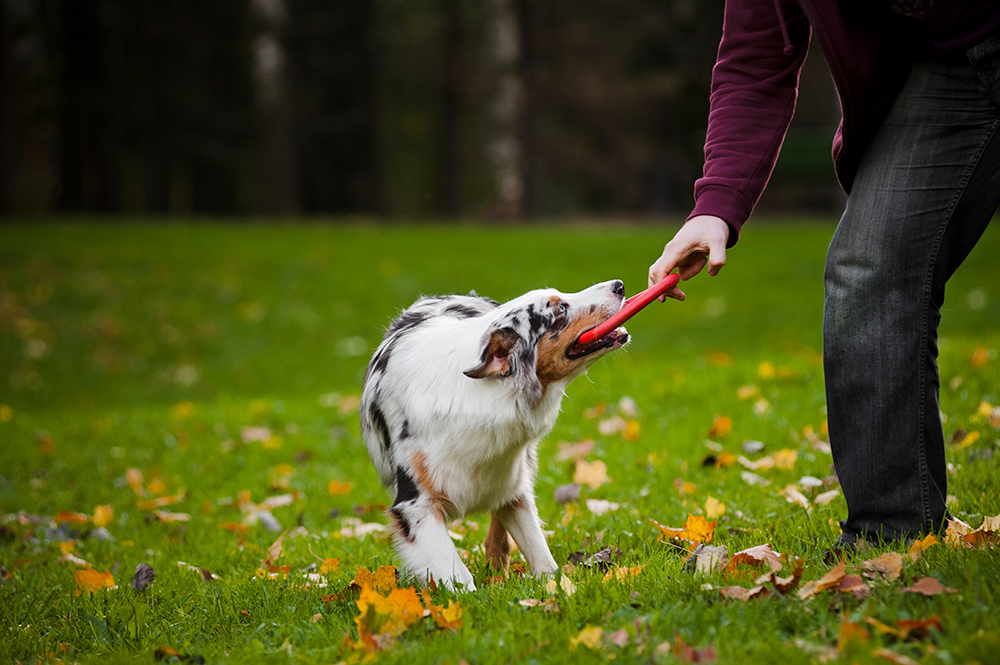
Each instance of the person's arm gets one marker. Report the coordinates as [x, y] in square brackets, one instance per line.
[754, 89]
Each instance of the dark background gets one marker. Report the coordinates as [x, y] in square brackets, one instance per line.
[496, 109]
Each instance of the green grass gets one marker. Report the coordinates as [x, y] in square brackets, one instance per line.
[152, 347]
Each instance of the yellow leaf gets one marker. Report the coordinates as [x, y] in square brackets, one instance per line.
[591, 474]
[622, 574]
[631, 431]
[785, 459]
[765, 370]
[589, 637]
[721, 426]
[329, 566]
[89, 580]
[182, 411]
[714, 508]
[980, 357]
[103, 515]
[335, 487]
[565, 583]
[918, 547]
[724, 459]
[134, 477]
[748, 392]
[967, 441]
[696, 529]
[382, 580]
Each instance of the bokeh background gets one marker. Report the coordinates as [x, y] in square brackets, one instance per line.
[486, 109]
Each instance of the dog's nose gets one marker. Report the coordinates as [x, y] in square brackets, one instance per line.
[618, 288]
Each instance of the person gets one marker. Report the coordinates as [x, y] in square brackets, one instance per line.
[918, 153]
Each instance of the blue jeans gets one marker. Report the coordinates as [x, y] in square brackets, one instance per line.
[925, 192]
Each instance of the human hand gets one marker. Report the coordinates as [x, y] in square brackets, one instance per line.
[700, 242]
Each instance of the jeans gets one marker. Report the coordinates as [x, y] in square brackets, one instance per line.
[924, 194]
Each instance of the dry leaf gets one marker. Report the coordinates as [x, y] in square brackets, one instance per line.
[383, 580]
[329, 566]
[853, 584]
[707, 559]
[785, 459]
[89, 580]
[589, 637]
[756, 556]
[929, 586]
[574, 451]
[783, 585]
[828, 581]
[721, 426]
[739, 593]
[793, 495]
[591, 474]
[889, 565]
[103, 515]
[825, 498]
[696, 529]
[143, 578]
[714, 508]
[337, 488]
[565, 584]
[918, 547]
[849, 632]
[600, 506]
[894, 657]
[623, 574]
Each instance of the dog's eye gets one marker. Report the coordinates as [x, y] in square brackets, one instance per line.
[562, 307]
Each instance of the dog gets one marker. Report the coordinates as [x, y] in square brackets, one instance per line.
[455, 401]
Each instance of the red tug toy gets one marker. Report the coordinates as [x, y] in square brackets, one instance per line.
[630, 308]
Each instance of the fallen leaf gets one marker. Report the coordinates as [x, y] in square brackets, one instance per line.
[894, 657]
[89, 580]
[567, 493]
[756, 556]
[889, 565]
[600, 506]
[917, 548]
[793, 495]
[160, 502]
[592, 474]
[448, 618]
[825, 498]
[589, 637]
[721, 426]
[623, 574]
[828, 581]
[69, 517]
[740, 593]
[714, 508]
[696, 529]
[565, 584]
[337, 488]
[707, 559]
[850, 632]
[785, 459]
[620, 638]
[103, 515]
[853, 584]
[382, 580]
[356, 528]
[574, 451]
[170, 518]
[929, 586]
[329, 566]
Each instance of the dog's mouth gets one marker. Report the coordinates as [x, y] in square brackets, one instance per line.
[615, 339]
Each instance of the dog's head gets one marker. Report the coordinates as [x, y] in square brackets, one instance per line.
[532, 340]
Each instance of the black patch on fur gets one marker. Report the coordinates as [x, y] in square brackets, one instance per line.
[460, 311]
[407, 321]
[381, 427]
[404, 433]
[381, 359]
[404, 524]
[406, 488]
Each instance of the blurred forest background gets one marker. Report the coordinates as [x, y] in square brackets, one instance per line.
[498, 109]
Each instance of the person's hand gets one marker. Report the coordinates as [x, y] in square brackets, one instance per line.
[700, 242]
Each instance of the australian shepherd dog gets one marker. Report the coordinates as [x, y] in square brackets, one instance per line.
[455, 401]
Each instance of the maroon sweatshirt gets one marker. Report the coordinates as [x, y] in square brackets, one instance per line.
[755, 85]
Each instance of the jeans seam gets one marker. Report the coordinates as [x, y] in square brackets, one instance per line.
[924, 332]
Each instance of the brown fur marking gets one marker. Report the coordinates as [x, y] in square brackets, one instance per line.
[497, 545]
[552, 364]
[442, 504]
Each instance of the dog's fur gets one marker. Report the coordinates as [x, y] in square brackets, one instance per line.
[455, 401]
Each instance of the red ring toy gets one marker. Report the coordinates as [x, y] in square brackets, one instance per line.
[630, 308]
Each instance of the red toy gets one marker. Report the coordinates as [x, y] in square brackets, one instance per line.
[630, 308]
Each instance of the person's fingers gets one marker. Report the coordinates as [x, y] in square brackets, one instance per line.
[716, 258]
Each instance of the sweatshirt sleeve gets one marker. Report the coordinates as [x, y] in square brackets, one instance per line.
[754, 89]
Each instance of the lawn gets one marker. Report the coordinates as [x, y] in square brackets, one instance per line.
[184, 396]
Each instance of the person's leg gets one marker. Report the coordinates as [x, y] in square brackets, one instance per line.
[924, 194]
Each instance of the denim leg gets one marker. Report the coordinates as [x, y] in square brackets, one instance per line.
[924, 194]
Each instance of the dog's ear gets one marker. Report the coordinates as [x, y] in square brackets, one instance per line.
[495, 359]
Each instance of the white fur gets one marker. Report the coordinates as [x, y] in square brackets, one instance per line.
[464, 444]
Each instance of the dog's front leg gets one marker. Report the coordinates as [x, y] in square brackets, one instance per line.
[520, 517]
[422, 541]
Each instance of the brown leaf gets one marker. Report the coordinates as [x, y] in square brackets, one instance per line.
[850, 631]
[756, 556]
[783, 585]
[274, 551]
[828, 581]
[929, 586]
[889, 565]
[706, 559]
[721, 426]
[740, 593]
[855, 585]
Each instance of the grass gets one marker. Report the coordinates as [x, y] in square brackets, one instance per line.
[131, 346]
